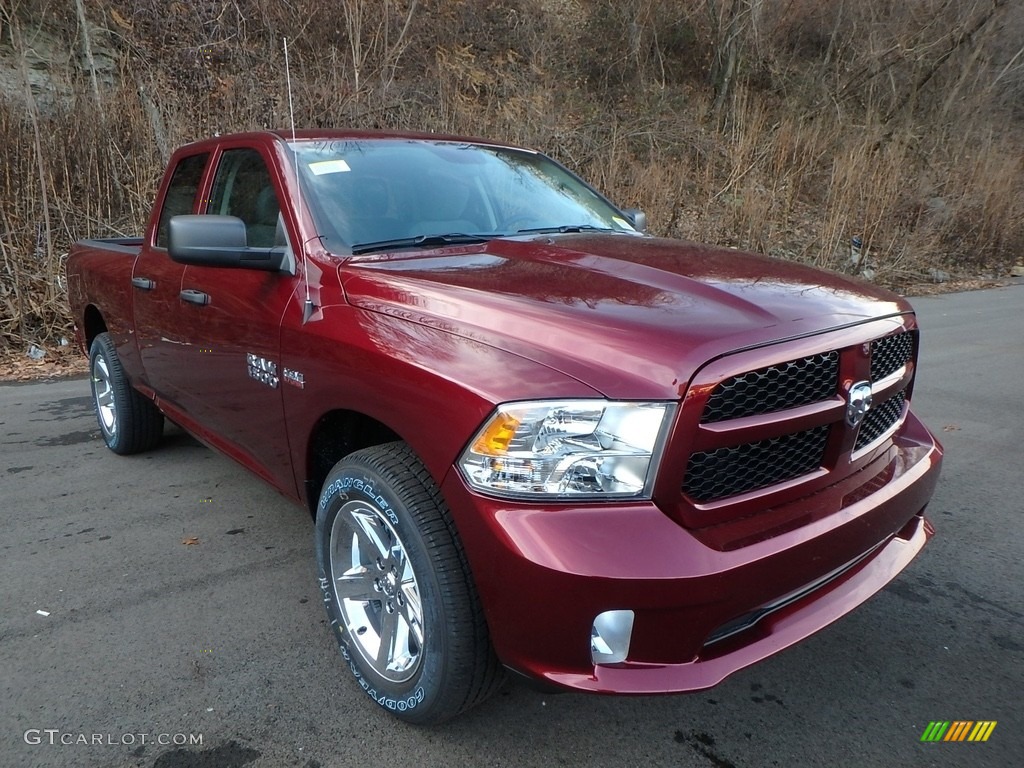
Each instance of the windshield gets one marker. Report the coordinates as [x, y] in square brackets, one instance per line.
[405, 193]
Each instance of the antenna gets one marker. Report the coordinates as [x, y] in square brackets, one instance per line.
[308, 306]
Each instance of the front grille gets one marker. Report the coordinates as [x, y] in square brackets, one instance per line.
[890, 353]
[739, 468]
[776, 388]
[724, 472]
[880, 419]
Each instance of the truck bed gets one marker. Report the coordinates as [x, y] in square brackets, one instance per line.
[130, 245]
[99, 273]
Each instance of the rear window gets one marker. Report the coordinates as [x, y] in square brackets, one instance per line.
[181, 193]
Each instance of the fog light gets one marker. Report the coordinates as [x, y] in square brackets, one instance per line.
[609, 637]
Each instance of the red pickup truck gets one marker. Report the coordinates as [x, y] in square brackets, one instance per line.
[532, 437]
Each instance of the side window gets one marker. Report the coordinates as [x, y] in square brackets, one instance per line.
[243, 188]
[181, 193]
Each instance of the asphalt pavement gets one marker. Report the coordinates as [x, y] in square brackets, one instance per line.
[161, 611]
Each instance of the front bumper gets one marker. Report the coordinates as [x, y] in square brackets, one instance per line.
[703, 609]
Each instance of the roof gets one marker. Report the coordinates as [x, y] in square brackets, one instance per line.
[333, 134]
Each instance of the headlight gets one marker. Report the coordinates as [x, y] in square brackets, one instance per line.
[578, 448]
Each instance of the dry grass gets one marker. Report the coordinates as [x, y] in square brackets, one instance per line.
[897, 123]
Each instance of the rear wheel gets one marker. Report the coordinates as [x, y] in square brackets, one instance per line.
[128, 421]
[397, 588]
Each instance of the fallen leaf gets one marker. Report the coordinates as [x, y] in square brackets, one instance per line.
[950, 428]
[190, 541]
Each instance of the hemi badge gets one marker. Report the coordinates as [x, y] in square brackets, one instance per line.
[294, 378]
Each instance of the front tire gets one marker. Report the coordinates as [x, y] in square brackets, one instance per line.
[397, 588]
[128, 421]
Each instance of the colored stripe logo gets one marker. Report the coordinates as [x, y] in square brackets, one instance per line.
[958, 730]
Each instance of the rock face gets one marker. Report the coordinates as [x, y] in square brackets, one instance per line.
[52, 65]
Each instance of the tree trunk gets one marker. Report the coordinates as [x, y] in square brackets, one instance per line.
[87, 49]
[727, 21]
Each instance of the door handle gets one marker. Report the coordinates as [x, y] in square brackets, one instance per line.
[144, 283]
[195, 297]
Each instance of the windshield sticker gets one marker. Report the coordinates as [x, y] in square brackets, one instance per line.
[329, 166]
[621, 222]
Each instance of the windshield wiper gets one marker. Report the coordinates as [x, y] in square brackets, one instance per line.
[566, 228]
[452, 238]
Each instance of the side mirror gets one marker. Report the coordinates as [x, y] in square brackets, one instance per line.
[218, 241]
[637, 217]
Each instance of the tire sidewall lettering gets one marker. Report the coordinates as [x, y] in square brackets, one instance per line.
[341, 489]
[382, 699]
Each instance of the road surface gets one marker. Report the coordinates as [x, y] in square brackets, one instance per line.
[148, 641]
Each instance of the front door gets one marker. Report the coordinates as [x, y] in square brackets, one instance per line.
[233, 319]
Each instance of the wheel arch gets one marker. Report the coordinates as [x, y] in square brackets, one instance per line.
[335, 435]
[93, 324]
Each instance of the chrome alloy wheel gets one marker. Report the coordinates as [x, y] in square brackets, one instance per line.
[376, 591]
[103, 394]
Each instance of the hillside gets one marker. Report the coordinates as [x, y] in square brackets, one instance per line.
[787, 127]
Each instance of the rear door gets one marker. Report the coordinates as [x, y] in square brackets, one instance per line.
[232, 318]
[156, 283]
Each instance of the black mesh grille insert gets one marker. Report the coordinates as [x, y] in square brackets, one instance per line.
[786, 385]
[724, 472]
[880, 419]
[891, 353]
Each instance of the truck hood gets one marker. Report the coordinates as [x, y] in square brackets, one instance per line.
[629, 316]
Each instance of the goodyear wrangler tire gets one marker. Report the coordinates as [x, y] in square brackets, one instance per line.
[128, 421]
[397, 588]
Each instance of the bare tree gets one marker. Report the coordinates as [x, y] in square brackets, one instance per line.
[732, 22]
[83, 25]
[958, 38]
[372, 45]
